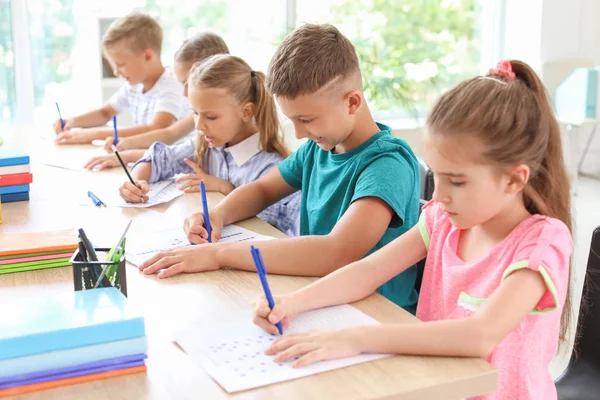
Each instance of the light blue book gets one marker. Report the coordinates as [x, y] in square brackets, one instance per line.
[72, 357]
[14, 189]
[45, 323]
[12, 156]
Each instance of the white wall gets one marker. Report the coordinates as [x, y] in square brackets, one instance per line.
[544, 31]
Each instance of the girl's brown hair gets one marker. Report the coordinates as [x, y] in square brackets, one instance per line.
[512, 116]
[200, 46]
[224, 71]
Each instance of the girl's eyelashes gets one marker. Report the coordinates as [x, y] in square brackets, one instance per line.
[456, 183]
[305, 121]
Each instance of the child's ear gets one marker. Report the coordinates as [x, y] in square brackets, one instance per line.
[248, 111]
[148, 54]
[354, 101]
[518, 178]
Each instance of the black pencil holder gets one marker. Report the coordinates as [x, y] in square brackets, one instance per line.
[82, 271]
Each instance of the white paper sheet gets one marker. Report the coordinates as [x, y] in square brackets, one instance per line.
[233, 354]
[142, 247]
[160, 192]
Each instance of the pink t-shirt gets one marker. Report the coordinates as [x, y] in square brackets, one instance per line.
[453, 289]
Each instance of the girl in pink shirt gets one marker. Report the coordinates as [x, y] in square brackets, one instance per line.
[497, 237]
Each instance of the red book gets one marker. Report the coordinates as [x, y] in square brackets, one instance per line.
[16, 179]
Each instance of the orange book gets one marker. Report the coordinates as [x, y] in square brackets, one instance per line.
[70, 381]
[37, 242]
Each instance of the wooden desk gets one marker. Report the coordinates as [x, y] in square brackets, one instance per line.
[172, 304]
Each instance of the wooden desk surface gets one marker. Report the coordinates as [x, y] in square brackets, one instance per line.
[172, 304]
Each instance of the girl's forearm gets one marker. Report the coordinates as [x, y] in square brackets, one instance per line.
[142, 171]
[466, 337]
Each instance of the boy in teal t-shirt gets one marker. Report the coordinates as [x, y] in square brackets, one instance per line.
[359, 185]
[383, 167]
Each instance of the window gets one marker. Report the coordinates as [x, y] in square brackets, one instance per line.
[8, 99]
[251, 29]
[410, 51]
[52, 32]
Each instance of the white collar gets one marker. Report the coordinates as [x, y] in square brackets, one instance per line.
[245, 150]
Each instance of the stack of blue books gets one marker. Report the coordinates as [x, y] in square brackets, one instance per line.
[52, 341]
[15, 175]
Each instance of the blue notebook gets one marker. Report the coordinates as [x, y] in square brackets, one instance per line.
[12, 197]
[44, 323]
[13, 189]
[12, 156]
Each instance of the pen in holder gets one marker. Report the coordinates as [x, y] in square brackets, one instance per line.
[96, 274]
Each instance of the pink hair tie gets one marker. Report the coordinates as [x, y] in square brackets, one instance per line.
[504, 68]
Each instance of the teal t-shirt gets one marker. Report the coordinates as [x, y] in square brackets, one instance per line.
[383, 167]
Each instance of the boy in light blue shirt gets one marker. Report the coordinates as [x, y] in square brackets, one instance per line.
[359, 184]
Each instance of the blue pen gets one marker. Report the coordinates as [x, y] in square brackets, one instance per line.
[95, 199]
[205, 208]
[261, 270]
[62, 122]
[115, 136]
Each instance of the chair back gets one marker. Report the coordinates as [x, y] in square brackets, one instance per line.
[587, 345]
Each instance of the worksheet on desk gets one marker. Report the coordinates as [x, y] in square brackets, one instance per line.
[233, 354]
[140, 247]
[160, 192]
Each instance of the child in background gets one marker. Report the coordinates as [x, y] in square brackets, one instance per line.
[360, 186]
[238, 141]
[497, 240]
[195, 49]
[132, 44]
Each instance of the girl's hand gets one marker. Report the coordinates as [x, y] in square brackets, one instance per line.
[266, 318]
[74, 136]
[122, 145]
[191, 182]
[103, 162]
[134, 194]
[187, 259]
[193, 226]
[315, 346]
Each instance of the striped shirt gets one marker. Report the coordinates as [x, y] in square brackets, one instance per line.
[165, 96]
[242, 163]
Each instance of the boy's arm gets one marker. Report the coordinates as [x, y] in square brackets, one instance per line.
[161, 120]
[167, 135]
[96, 117]
[361, 227]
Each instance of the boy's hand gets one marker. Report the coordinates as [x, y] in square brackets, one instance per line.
[314, 346]
[267, 319]
[134, 194]
[122, 145]
[103, 162]
[191, 182]
[74, 136]
[58, 126]
[193, 226]
[187, 259]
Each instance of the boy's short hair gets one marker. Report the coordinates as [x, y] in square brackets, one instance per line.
[137, 31]
[201, 46]
[309, 58]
